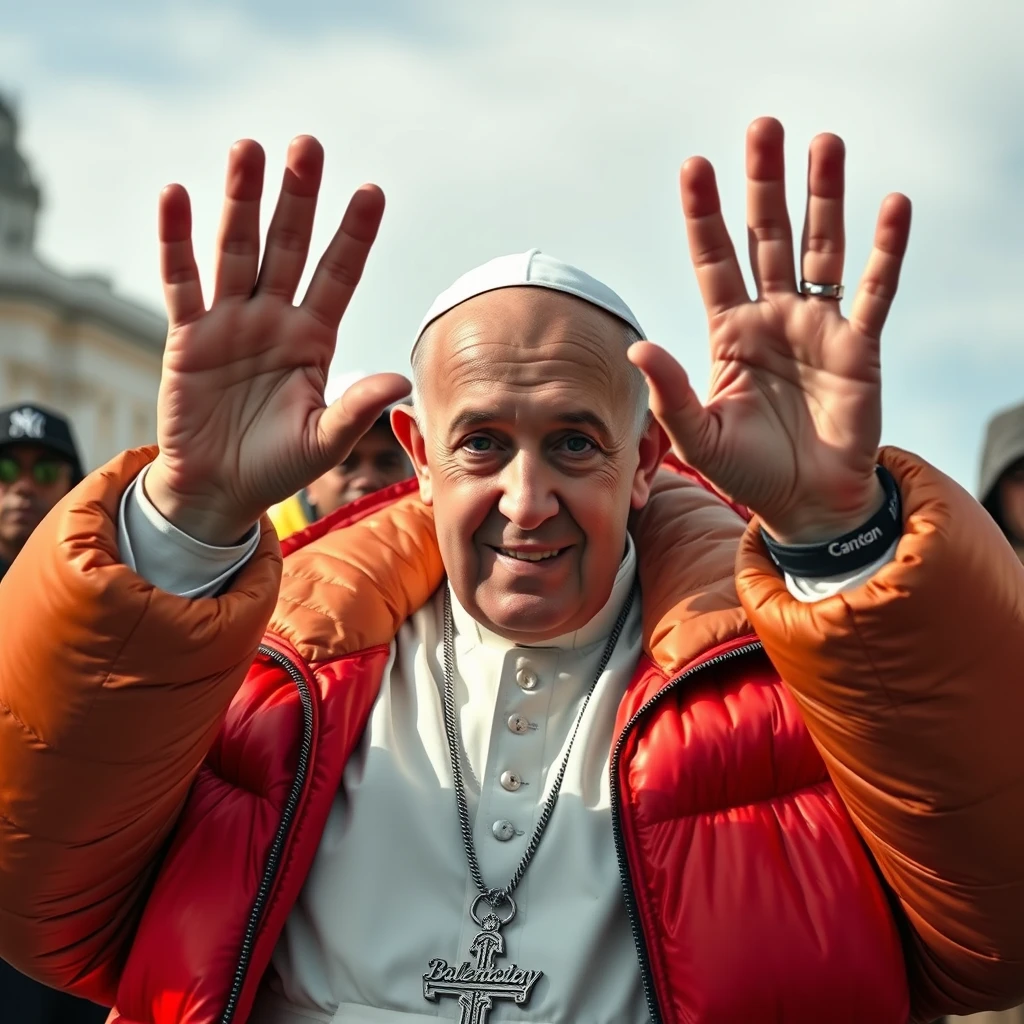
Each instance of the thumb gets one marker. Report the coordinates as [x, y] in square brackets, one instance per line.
[674, 403]
[344, 422]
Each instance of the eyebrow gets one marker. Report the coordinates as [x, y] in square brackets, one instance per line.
[480, 417]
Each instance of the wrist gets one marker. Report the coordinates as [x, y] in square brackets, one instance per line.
[205, 516]
[816, 526]
[848, 552]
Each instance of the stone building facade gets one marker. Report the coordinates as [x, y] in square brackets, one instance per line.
[68, 341]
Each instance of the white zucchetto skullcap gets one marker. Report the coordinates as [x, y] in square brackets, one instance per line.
[535, 269]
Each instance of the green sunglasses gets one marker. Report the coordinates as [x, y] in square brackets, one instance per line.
[44, 472]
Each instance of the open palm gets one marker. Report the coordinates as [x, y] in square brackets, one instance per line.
[792, 422]
[241, 418]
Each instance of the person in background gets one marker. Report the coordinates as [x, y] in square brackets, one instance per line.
[376, 462]
[1001, 483]
[1001, 491]
[39, 464]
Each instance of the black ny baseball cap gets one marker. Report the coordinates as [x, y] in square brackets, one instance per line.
[28, 423]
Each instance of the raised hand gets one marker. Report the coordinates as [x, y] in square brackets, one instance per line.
[241, 419]
[793, 420]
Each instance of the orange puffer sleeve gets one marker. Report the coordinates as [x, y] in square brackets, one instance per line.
[911, 686]
[111, 694]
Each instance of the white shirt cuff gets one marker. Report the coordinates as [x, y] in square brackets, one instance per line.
[169, 559]
[810, 589]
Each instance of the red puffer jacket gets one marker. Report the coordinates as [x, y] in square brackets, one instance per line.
[842, 847]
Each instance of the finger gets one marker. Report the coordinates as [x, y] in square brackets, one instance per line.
[341, 265]
[711, 250]
[882, 274]
[238, 241]
[183, 292]
[823, 251]
[292, 224]
[675, 404]
[769, 233]
[346, 420]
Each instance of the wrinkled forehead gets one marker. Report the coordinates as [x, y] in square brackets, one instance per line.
[524, 345]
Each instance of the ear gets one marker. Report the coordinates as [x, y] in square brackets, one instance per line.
[410, 437]
[654, 446]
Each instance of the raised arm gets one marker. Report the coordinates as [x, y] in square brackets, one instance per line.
[111, 694]
[112, 691]
[910, 685]
[909, 682]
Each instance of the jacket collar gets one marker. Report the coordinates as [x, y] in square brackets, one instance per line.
[362, 574]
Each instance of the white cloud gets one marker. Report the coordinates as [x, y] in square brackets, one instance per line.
[563, 126]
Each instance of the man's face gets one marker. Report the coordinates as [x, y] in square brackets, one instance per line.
[530, 457]
[32, 480]
[1011, 501]
[377, 461]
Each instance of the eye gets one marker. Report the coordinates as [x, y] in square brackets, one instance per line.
[46, 472]
[479, 444]
[577, 444]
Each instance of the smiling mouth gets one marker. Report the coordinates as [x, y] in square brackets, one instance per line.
[531, 556]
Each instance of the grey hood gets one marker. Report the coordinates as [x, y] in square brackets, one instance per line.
[1004, 445]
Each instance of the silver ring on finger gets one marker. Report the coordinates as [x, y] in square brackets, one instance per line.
[821, 291]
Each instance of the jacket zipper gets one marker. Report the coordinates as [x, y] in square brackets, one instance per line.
[294, 795]
[620, 846]
[281, 836]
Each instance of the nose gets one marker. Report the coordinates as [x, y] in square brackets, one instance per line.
[527, 498]
[25, 485]
[365, 482]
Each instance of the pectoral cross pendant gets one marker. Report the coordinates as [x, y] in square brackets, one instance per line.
[477, 985]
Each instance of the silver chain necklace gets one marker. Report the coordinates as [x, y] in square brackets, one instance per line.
[476, 986]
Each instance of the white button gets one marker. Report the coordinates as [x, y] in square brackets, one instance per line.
[503, 830]
[510, 781]
[526, 677]
[518, 724]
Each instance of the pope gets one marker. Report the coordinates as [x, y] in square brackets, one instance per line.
[630, 707]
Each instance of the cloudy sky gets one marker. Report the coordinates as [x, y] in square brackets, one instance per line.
[494, 128]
